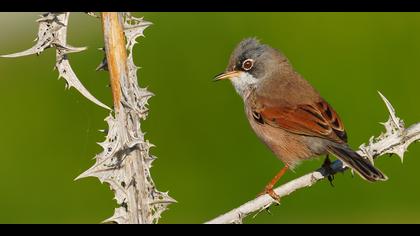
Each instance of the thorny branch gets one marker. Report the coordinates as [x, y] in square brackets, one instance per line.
[52, 32]
[395, 140]
[125, 162]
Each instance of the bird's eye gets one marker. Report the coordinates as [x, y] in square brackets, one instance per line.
[248, 64]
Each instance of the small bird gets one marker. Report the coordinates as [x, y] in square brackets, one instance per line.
[287, 113]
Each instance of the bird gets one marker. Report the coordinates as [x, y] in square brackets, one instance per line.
[287, 113]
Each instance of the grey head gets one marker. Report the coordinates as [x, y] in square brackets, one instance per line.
[250, 63]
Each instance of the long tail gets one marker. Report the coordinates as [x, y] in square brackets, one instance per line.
[356, 162]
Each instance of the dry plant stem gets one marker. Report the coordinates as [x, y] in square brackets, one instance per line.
[395, 140]
[52, 33]
[116, 53]
[116, 56]
[125, 161]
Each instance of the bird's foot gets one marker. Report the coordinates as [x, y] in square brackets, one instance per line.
[327, 166]
[331, 178]
[272, 194]
[269, 187]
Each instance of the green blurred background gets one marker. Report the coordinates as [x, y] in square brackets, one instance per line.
[208, 157]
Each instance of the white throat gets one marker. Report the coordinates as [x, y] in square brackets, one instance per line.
[243, 83]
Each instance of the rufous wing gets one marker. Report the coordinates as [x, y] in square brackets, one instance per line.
[318, 119]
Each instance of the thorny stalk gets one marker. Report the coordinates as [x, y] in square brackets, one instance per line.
[125, 161]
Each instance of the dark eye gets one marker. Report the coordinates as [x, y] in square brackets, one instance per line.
[248, 64]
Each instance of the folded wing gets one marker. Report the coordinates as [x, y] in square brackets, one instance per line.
[317, 119]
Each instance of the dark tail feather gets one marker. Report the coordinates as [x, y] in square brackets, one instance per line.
[356, 162]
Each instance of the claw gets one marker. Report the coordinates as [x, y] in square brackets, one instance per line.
[327, 166]
[331, 178]
[272, 194]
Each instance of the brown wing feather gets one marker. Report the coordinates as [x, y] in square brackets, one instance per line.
[318, 120]
[333, 119]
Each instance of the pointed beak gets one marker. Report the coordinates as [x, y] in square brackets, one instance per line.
[227, 75]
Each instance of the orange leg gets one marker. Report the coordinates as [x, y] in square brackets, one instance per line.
[269, 187]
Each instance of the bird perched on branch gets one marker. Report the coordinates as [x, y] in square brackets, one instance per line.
[287, 113]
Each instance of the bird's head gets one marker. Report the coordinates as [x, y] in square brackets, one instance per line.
[250, 63]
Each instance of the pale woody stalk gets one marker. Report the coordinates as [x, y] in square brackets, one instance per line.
[125, 161]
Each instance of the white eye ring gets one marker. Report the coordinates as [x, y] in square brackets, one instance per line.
[248, 64]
